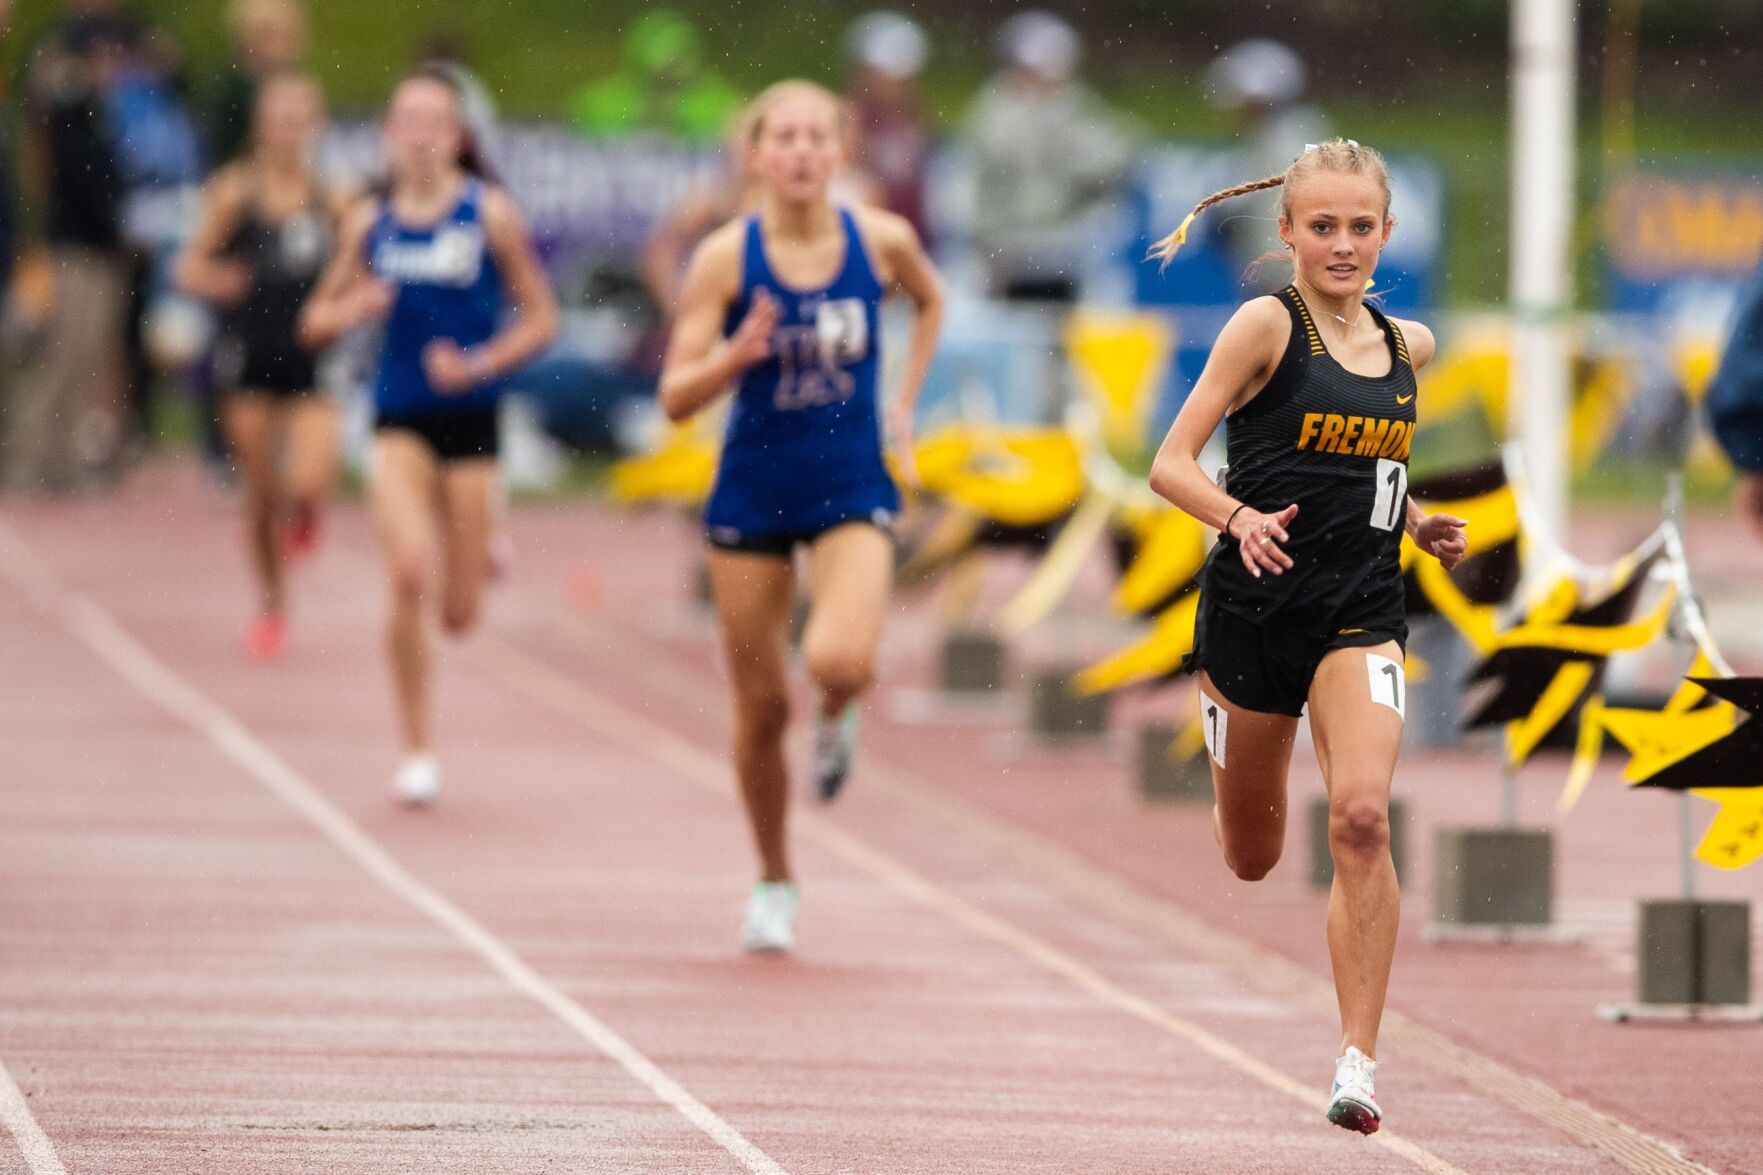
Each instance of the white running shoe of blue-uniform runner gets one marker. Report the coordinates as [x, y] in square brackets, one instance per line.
[770, 925]
[418, 782]
[835, 746]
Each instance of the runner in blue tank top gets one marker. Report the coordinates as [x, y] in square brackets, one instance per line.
[784, 306]
[1302, 598]
[443, 261]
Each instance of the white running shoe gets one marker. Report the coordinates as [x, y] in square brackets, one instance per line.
[1353, 1103]
[418, 782]
[770, 925]
[835, 746]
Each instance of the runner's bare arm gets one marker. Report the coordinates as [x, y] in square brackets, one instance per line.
[534, 323]
[1242, 361]
[347, 294]
[700, 366]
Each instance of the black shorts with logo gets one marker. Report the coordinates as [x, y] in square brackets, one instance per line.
[460, 434]
[1270, 669]
[781, 544]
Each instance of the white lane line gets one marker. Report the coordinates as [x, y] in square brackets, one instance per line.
[159, 684]
[610, 720]
[15, 1108]
[1627, 1145]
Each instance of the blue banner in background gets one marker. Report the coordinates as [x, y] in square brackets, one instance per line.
[1677, 245]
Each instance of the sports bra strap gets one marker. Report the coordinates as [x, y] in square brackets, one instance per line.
[1302, 323]
[1394, 331]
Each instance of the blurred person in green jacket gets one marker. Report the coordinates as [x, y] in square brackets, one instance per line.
[662, 86]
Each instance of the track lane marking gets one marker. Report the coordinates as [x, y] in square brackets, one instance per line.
[526, 674]
[161, 685]
[15, 1108]
[1266, 970]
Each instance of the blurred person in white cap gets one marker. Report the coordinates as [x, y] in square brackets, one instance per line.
[1261, 83]
[887, 51]
[1047, 153]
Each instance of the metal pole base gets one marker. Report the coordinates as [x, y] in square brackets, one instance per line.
[1058, 715]
[1693, 952]
[1162, 777]
[972, 662]
[1623, 1013]
[1502, 877]
[1553, 934]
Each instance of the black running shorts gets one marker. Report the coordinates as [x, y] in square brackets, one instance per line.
[1269, 669]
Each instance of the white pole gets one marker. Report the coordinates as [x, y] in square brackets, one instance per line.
[1542, 224]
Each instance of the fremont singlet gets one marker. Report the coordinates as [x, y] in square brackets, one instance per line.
[1336, 444]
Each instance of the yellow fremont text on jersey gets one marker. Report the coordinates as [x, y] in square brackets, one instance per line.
[1356, 436]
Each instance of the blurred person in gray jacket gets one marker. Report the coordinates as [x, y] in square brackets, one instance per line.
[1260, 83]
[1048, 155]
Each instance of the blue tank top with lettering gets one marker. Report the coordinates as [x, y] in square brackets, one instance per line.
[803, 449]
[448, 287]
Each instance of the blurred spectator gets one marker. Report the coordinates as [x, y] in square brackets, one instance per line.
[887, 52]
[269, 37]
[662, 86]
[1260, 82]
[160, 156]
[1735, 401]
[62, 423]
[678, 230]
[8, 210]
[1048, 153]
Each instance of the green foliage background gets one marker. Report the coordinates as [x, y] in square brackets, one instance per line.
[1425, 77]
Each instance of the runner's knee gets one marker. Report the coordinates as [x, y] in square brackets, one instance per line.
[409, 577]
[841, 671]
[458, 615]
[1359, 828]
[1251, 862]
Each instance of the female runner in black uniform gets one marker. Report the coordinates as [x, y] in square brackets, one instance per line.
[1302, 597]
[266, 231]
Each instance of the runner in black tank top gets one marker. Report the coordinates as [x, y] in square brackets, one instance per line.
[265, 232]
[258, 348]
[1335, 443]
[1301, 600]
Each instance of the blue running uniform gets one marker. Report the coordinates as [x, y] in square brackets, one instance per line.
[448, 287]
[803, 450]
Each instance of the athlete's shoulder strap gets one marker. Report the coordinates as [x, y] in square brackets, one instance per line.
[1306, 339]
[754, 270]
[857, 261]
[1302, 344]
[1394, 332]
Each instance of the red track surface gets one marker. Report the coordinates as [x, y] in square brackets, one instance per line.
[222, 949]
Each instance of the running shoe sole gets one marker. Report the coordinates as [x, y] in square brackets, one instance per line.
[1351, 1115]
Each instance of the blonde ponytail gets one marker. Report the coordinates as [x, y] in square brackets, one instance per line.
[1333, 155]
[1165, 249]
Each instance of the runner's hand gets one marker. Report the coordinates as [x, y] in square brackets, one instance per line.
[229, 283]
[370, 301]
[1259, 537]
[449, 369]
[901, 440]
[1442, 537]
[751, 342]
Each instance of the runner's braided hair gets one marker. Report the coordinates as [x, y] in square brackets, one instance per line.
[1333, 155]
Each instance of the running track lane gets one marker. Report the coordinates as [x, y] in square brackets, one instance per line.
[1409, 1106]
[154, 681]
